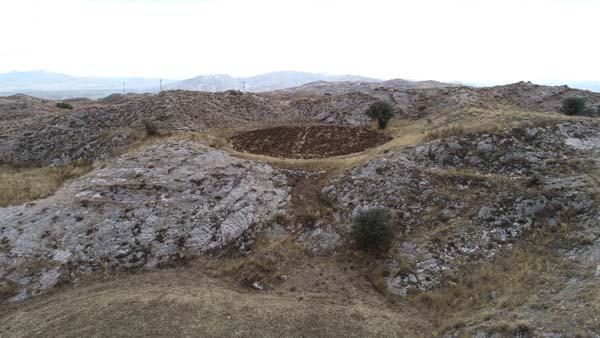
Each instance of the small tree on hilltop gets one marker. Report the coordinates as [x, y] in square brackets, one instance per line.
[373, 229]
[381, 111]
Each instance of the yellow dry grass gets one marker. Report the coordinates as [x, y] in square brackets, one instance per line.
[21, 185]
[513, 278]
[474, 120]
[187, 303]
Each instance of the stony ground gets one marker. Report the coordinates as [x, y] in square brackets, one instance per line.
[494, 199]
[477, 194]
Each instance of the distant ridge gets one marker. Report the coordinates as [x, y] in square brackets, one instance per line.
[261, 83]
[50, 85]
[44, 81]
[324, 87]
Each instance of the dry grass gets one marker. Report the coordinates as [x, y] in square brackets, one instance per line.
[478, 120]
[20, 185]
[473, 121]
[270, 260]
[8, 289]
[183, 303]
[213, 141]
[515, 278]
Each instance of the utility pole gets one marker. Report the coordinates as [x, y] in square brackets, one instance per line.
[244, 86]
[123, 87]
[161, 85]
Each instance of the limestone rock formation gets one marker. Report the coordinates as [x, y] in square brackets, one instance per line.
[153, 207]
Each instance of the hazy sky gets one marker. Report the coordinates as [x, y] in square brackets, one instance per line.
[462, 40]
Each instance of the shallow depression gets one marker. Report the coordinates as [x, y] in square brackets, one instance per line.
[305, 142]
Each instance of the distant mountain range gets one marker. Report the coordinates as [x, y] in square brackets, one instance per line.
[56, 85]
[51, 85]
[261, 83]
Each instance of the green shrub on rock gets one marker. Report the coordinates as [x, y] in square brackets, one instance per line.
[373, 229]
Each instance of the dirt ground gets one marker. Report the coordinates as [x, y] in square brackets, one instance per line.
[318, 299]
[304, 142]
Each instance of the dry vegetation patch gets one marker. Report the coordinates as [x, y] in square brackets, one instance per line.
[187, 303]
[497, 290]
[21, 184]
[473, 121]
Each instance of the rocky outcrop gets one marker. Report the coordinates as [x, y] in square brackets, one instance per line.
[514, 152]
[451, 212]
[344, 108]
[95, 133]
[154, 207]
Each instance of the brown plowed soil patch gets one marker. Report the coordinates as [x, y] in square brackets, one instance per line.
[307, 141]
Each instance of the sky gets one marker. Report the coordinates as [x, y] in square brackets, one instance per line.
[484, 41]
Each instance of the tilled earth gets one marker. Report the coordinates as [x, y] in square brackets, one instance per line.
[308, 141]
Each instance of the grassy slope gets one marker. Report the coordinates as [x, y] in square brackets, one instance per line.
[21, 185]
[186, 302]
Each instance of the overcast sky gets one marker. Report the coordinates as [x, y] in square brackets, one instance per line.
[490, 41]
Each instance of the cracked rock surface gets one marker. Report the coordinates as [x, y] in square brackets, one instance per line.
[149, 208]
[451, 212]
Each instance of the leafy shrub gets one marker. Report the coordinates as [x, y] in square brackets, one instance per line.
[373, 230]
[575, 106]
[151, 128]
[64, 105]
[382, 111]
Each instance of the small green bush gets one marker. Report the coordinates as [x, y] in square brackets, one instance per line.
[373, 230]
[575, 106]
[382, 111]
[64, 105]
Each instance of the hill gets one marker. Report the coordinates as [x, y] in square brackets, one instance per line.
[191, 213]
[369, 87]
